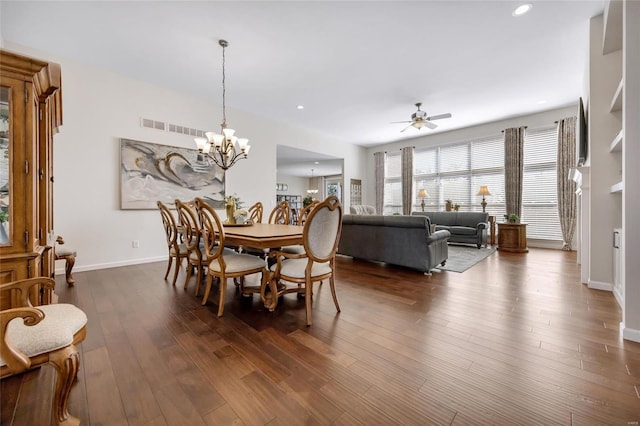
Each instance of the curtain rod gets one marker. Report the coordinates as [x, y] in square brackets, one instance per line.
[526, 127]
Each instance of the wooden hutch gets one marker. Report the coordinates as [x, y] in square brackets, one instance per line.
[30, 114]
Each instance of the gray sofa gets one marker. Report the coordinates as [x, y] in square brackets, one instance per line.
[398, 240]
[465, 227]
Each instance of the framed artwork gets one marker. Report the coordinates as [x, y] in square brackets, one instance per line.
[150, 172]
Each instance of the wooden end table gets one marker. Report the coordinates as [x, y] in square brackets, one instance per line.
[512, 237]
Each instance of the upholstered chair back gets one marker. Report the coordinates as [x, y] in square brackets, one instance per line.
[322, 230]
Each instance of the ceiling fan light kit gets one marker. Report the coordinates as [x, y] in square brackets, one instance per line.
[419, 119]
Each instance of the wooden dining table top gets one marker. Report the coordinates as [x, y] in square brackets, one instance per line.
[263, 235]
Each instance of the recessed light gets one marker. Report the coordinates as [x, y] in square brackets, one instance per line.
[522, 9]
[300, 107]
[317, 162]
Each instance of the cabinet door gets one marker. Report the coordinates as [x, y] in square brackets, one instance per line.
[13, 164]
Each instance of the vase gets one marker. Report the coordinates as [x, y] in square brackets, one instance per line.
[231, 209]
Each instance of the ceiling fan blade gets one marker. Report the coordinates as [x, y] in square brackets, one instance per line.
[396, 122]
[439, 117]
[430, 125]
[406, 128]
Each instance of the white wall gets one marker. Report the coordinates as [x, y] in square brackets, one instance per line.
[297, 185]
[99, 108]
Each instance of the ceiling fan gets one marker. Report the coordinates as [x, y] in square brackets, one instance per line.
[419, 119]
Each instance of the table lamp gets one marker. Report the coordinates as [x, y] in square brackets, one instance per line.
[483, 191]
[422, 193]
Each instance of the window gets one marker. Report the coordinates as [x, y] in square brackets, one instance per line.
[457, 171]
[539, 186]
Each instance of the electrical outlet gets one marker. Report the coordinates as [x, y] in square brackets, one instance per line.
[135, 243]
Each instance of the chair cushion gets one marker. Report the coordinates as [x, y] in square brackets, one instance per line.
[194, 255]
[64, 250]
[55, 331]
[295, 249]
[182, 248]
[295, 268]
[237, 263]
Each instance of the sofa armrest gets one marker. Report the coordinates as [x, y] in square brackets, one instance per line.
[438, 236]
[482, 225]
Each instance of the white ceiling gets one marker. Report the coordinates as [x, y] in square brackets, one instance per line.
[355, 66]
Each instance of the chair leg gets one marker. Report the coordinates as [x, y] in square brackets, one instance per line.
[223, 290]
[166, 274]
[198, 280]
[333, 292]
[66, 362]
[308, 291]
[175, 273]
[70, 260]
[207, 289]
[189, 273]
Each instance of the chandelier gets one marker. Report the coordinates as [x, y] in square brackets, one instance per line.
[223, 149]
[311, 191]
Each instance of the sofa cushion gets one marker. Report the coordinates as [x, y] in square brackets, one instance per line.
[462, 230]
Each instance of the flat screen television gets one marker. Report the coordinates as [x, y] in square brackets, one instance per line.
[582, 140]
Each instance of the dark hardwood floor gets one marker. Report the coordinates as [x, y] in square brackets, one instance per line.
[514, 340]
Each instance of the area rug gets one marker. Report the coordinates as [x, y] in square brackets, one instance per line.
[462, 258]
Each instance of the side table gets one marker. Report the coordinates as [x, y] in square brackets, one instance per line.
[512, 237]
[492, 230]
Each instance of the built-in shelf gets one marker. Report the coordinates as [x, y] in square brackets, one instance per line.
[612, 31]
[617, 188]
[616, 145]
[616, 102]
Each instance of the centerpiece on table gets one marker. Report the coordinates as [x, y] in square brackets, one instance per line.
[232, 203]
[241, 216]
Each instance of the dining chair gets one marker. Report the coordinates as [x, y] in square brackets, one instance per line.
[281, 213]
[177, 250]
[305, 212]
[301, 221]
[222, 263]
[191, 236]
[321, 235]
[255, 212]
[47, 334]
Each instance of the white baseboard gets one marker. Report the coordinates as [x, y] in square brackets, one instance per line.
[619, 297]
[599, 285]
[82, 268]
[630, 333]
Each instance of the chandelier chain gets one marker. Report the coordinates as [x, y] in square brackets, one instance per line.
[224, 88]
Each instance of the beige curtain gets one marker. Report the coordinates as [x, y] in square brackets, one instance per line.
[566, 186]
[379, 174]
[407, 179]
[513, 169]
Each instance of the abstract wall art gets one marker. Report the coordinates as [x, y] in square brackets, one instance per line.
[150, 172]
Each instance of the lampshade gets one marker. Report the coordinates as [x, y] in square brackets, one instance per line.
[422, 193]
[483, 191]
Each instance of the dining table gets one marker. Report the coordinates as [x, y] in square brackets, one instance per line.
[264, 236]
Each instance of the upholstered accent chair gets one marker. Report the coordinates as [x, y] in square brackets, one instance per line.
[67, 253]
[177, 249]
[320, 241]
[362, 210]
[222, 263]
[47, 334]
